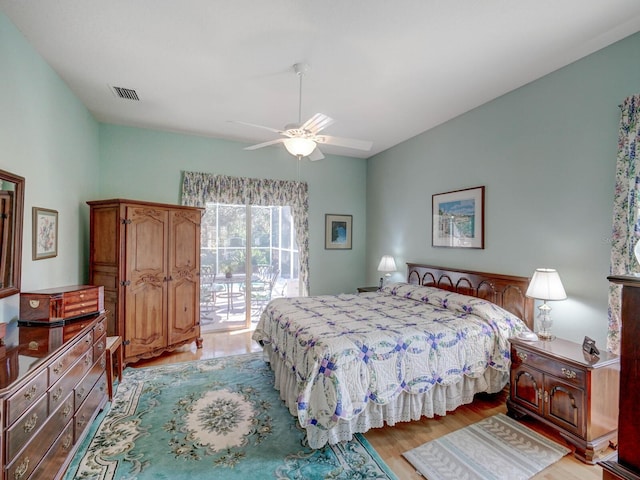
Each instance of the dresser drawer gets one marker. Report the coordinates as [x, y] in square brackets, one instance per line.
[27, 460]
[99, 347]
[28, 395]
[556, 367]
[88, 409]
[69, 380]
[61, 417]
[87, 383]
[56, 457]
[100, 328]
[25, 428]
[57, 369]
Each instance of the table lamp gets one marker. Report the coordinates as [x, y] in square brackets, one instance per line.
[387, 264]
[545, 285]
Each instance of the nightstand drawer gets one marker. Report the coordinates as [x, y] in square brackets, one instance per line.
[552, 366]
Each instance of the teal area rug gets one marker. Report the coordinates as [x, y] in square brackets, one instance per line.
[218, 418]
[496, 448]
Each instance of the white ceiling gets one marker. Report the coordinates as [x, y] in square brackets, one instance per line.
[384, 70]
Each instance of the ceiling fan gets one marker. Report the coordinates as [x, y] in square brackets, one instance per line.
[302, 139]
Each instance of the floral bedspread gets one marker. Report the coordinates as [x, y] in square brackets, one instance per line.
[348, 350]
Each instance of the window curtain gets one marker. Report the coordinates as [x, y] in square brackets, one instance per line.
[626, 225]
[200, 188]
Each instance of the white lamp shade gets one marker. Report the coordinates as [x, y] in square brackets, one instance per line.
[387, 264]
[546, 285]
[299, 147]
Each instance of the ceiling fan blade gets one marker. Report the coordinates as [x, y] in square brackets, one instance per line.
[265, 144]
[275, 130]
[315, 155]
[316, 123]
[344, 142]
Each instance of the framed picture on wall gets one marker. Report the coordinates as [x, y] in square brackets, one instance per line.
[457, 219]
[45, 233]
[337, 234]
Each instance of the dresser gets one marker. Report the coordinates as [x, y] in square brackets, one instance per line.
[147, 257]
[562, 386]
[52, 386]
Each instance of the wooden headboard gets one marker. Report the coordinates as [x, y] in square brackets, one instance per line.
[506, 291]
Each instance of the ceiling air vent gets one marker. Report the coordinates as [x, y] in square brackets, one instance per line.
[125, 93]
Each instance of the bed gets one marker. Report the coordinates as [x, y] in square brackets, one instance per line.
[347, 363]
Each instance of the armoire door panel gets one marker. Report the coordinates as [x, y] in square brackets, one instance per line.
[146, 240]
[103, 247]
[184, 284]
[144, 322]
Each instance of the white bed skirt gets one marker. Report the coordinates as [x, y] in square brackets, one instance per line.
[406, 407]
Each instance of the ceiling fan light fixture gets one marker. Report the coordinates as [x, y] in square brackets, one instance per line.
[299, 147]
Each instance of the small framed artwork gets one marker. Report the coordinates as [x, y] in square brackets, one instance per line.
[45, 233]
[337, 234]
[458, 218]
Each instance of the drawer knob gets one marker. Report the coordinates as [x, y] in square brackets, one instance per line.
[31, 423]
[29, 394]
[80, 393]
[522, 356]
[22, 469]
[568, 373]
[68, 440]
[66, 410]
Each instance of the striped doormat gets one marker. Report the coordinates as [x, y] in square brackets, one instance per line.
[496, 448]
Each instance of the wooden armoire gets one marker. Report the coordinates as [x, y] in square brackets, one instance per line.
[627, 465]
[147, 257]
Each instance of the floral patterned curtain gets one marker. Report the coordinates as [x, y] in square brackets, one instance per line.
[626, 223]
[200, 188]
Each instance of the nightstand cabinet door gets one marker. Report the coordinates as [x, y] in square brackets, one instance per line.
[526, 388]
[565, 406]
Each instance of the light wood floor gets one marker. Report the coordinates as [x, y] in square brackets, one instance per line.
[390, 442]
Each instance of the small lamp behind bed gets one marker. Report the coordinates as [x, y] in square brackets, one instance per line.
[546, 285]
[387, 264]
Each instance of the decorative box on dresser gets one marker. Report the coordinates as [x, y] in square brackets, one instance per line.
[557, 383]
[53, 384]
[147, 257]
[627, 466]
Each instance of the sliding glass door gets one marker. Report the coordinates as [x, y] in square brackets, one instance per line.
[234, 291]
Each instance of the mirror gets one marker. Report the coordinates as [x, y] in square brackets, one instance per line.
[11, 214]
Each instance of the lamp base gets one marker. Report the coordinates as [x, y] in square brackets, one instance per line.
[546, 336]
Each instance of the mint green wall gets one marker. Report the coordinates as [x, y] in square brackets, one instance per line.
[147, 165]
[546, 154]
[48, 137]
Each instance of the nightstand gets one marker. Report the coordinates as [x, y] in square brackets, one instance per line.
[577, 394]
[368, 289]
